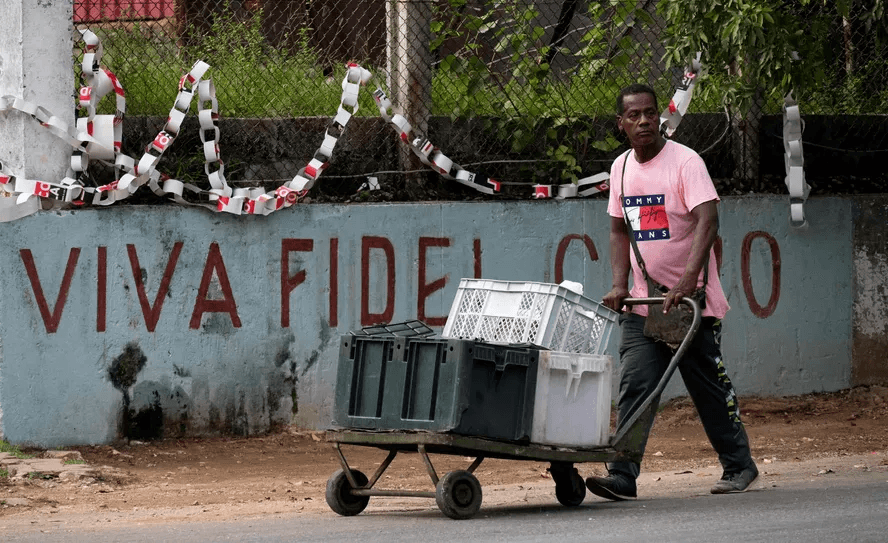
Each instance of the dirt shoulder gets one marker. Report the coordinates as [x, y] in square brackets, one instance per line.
[285, 472]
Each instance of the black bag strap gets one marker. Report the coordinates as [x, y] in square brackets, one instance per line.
[628, 224]
[632, 232]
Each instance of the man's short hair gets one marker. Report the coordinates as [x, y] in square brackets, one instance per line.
[635, 88]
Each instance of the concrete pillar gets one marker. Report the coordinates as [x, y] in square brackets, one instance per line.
[35, 64]
[36, 40]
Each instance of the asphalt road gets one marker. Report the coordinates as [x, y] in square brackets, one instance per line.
[849, 508]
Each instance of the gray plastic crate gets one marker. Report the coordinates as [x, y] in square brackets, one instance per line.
[436, 384]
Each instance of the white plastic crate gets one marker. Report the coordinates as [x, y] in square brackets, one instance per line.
[572, 404]
[542, 314]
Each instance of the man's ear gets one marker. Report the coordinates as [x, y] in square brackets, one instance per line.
[619, 123]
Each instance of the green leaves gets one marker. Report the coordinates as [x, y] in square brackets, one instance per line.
[608, 144]
[755, 41]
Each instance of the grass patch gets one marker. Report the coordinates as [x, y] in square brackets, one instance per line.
[73, 461]
[14, 450]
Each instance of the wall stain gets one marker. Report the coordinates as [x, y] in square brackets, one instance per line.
[123, 373]
[325, 337]
[218, 323]
[282, 381]
[162, 411]
[159, 409]
[240, 424]
[146, 424]
[126, 367]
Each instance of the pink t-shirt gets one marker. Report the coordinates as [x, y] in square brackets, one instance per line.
[658, 197]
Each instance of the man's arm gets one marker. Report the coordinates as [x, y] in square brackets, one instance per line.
[620, 265]
[705, 233]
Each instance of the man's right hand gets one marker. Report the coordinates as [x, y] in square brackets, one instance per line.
[614, 298]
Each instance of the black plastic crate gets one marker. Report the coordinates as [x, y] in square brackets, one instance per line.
[436, 384]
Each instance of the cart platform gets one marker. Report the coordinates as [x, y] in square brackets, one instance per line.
[453, 444]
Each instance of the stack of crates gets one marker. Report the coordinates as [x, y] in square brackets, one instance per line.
[573, 386]
[517, 362]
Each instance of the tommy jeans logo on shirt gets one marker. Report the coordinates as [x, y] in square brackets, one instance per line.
[647, 215]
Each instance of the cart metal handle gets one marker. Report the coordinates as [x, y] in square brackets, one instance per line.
[630, 436]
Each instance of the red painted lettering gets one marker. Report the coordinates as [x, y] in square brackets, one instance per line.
[50, 318]
[205, 305]
[150, 313]
[423, 289]
[757, 310]
[334, 282]
[367, 244]
[288, 283]
[477, 254]
[562, 249]
[101, 288]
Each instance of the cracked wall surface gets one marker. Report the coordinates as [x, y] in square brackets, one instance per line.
[870, 333]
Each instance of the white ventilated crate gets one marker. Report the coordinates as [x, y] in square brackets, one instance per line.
[542, 314]
[572, 404]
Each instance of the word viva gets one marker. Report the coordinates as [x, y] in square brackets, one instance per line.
[224, 301]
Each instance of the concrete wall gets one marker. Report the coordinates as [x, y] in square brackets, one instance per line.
[149, 321]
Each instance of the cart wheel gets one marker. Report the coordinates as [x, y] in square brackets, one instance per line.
[339, 496]
[570, 490]
[458, 495]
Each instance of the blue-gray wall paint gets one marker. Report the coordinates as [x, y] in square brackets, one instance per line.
[70, 386]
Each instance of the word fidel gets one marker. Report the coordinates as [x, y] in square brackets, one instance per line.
[290, 279]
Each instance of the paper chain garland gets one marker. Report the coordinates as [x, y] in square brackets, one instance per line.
[98, 137]
[795, 161]
[678, 106]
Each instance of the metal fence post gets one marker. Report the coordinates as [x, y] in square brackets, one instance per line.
[410, 67]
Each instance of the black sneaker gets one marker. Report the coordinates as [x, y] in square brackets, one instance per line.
[613, 487]
[736, 482]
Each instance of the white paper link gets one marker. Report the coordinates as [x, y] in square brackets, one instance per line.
[794, 160]
[678, 106]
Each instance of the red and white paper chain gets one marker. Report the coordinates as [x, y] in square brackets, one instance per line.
[99, 137]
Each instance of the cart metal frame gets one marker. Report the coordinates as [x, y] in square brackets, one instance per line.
[458, 493]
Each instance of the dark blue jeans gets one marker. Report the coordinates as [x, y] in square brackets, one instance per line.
[643, 362]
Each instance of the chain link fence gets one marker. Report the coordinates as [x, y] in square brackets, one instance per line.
[520, 90]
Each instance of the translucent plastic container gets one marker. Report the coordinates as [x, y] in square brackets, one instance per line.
[572, 405]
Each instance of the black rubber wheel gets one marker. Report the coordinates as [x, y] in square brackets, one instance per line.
[339, 496]
[458, 495]
[570, 490]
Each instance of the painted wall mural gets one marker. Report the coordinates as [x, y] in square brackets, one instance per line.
[171, 321]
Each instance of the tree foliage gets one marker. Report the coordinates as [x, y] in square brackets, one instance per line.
[769, 47]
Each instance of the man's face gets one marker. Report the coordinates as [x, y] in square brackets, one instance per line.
[640, 119]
